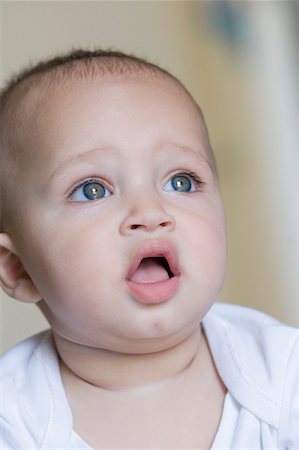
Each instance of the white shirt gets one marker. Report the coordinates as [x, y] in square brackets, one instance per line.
[256, 356]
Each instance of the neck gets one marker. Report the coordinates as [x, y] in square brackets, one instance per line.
[113, 371]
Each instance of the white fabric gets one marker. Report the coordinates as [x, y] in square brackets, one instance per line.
[256, 356]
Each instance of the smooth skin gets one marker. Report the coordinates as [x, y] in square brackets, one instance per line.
[143, 371]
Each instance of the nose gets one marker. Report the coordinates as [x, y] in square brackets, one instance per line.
[147, 216]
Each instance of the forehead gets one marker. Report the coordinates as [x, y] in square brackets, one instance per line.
[158, 90]
[122, 108]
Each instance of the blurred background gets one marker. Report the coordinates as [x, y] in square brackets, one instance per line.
[239, 59]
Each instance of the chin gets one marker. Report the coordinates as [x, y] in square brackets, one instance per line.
[159, 334]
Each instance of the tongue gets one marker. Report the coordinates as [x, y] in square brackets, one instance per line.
[150, 270]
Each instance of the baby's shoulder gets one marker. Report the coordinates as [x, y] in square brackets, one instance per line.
[251, 331]
[255, 327]
[26, 358]
[23, 351]
[257, 357]
[29, 378]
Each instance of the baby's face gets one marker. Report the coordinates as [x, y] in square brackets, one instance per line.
[116, 175]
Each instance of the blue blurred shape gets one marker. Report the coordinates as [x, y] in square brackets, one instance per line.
[229, 19]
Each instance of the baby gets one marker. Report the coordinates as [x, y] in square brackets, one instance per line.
[112, 223]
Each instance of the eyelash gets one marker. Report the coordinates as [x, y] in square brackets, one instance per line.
[87, 181]
[199, 184]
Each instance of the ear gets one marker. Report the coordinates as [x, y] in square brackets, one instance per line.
[14, 280]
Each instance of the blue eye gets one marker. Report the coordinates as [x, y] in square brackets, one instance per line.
[183, 182]
[89, 191]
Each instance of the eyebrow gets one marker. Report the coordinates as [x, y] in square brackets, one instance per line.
[77, 158]
[195, 153]
[199, 156]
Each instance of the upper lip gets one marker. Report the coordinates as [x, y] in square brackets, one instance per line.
[154, 249]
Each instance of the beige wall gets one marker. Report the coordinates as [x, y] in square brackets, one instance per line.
[259, 178]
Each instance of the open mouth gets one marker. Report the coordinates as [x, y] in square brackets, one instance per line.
[152, 270]
[154, 276]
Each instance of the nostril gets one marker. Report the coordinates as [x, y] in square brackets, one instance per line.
[147, 222]
[135, 226]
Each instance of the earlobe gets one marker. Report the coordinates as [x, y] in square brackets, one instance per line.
[14, 280]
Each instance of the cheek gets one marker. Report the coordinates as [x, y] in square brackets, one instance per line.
[206, 248]
[80, 260]
[76, 279]
[69, 260]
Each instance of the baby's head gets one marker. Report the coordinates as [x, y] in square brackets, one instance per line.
[24, 93]
[111, 216]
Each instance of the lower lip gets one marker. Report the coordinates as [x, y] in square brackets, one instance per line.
[151, 293]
